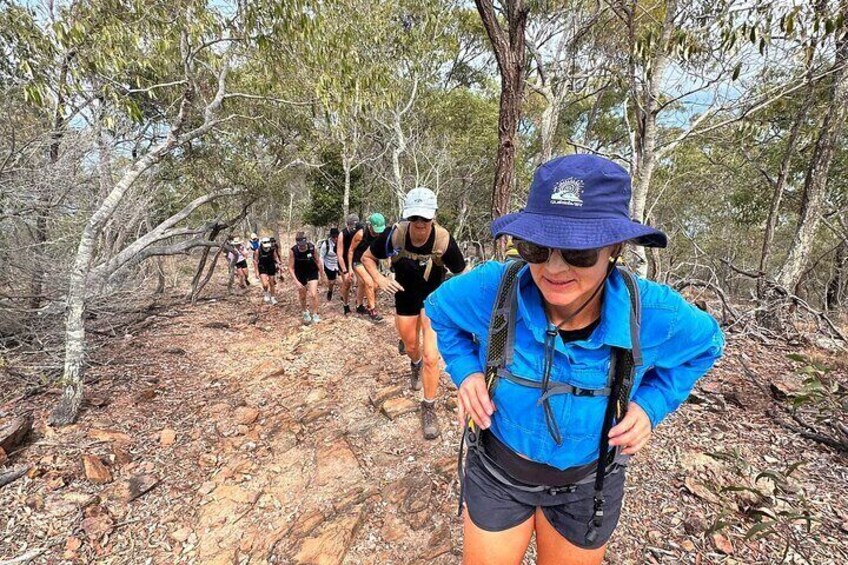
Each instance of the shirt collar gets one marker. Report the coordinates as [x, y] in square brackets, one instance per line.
[614, 328]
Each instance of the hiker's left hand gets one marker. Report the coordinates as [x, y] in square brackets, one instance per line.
[633, 431]
[390, 285]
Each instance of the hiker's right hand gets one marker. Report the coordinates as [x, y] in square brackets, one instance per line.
[473, 400]
[390, 285]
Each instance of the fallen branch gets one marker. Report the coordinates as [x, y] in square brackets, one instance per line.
[800, 427]
[11, 476]
[26, 557]
[728, 307]
[807, 431]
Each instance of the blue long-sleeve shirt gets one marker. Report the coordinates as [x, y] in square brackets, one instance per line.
[679, 345]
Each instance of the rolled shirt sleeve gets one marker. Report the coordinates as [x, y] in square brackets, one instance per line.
[695, 343]
[460, 309]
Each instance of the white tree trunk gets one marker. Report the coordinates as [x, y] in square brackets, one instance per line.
[72, 378]
[346, 165]
[397, 151]
[547, 131]
[646, 140]
[815, 183]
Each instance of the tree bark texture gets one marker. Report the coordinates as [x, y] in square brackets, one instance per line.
[816, 180]
[72, 378]
[835, 293]
[509, 47]
[777, 197]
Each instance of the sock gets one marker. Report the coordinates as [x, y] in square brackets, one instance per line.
[429, 403]
[417, 363]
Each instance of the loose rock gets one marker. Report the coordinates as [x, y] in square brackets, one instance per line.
[95, 470]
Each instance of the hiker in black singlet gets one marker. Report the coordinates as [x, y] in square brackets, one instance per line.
[421, 252]
[305, 269]
[361, 241]
[352, 226]
[266, 262]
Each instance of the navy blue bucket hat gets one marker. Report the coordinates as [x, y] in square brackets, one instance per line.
[578, 202]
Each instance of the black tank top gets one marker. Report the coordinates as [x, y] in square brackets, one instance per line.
[304, 261]
[364, 243]
[266, 256]
[348, 239]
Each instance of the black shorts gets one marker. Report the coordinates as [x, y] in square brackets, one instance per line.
[269, 269]
[409, 302]
[241, 264]
[495, 507]
[305, 277]
[331, 275]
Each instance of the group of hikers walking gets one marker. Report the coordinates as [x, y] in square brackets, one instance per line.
[564, 361]
[420, 251]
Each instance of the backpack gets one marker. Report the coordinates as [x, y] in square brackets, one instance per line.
[398, 242]
[327, 246]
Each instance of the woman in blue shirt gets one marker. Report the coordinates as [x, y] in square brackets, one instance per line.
[593, 360]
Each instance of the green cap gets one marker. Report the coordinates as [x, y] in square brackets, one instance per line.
[378, 222]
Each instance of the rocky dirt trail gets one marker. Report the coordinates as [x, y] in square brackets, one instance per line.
[228, 432]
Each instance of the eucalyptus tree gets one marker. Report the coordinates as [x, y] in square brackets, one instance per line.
[507, 36]
[153, 78]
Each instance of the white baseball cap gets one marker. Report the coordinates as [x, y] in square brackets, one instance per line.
[420, 202]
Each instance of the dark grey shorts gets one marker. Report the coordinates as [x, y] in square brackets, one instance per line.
[495, 507]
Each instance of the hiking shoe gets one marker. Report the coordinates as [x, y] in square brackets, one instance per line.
[401, 347]
[346, 310]
[267, 299]
[374, 315]
[361, 310]
[307, 317]
[429, 420]
[415, 374]
[273, 301]
[329, 296]
[316, 318]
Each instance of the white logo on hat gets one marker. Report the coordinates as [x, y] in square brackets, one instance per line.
[568, 192]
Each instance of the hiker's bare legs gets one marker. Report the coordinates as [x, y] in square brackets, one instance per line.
[345, 288]
[553, 549]
[267, 283]
[432, 370]
[408, 328]
[312, 288]
[367, 282]
[301, 295]
[480, 547]
[360, 294]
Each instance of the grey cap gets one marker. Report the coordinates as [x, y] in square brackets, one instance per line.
[352, 219]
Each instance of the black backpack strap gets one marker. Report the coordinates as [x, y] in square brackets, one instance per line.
[502, 324]
[498, 354]
[623, 363]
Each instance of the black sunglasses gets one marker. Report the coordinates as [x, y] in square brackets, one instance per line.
[419, 219]
[580, 258]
